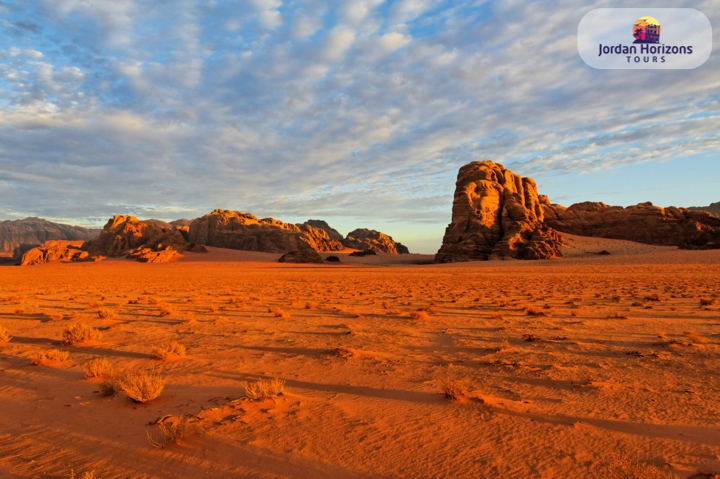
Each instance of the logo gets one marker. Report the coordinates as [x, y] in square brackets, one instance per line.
[683, 42]
[646, 30]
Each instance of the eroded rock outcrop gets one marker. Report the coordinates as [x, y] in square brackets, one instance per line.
[642, 223]
[712, 208]
[54, 250]
[124, 233]
[19, 236]
[301, 256]
[331, 232]
[244, 231]
[366, 239]
[496, 213]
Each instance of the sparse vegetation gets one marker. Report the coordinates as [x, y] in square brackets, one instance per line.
[54, 317]
[531, 311]
[80, 333]
[106, 313]
[98, 368]
[278, 312]
[169, 350]
[166, 309]
[420, 315]
[174, 431]
[4, 335]
[264, 389]
[142, 386]
[455, 390]
[49, 356]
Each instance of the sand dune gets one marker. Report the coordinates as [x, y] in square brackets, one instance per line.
[562, 365]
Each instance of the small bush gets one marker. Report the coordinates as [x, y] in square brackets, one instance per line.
[80, 333]
[530, 311]
[54, 317]
[4, 335]
[311, 305]
[49, 356]
[110, 386]
[142, 386]
[420, 315]
[264, 389]
[106, 313]
[278, 313]
[98, 368]
[652, 297]
[174, 432]
[455, 390]
[166, 309]
[168, 350]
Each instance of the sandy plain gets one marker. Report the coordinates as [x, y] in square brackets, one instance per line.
[585, 366]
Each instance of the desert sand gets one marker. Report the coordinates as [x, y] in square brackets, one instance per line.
[581, 366]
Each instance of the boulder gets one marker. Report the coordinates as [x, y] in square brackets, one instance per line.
[244, 231]
[54, 250]
[367, 239]
[124, 233]
[148, 255]
[642, 223]
[196, 248]
[332, 259]
[496, 213]
[301, 256]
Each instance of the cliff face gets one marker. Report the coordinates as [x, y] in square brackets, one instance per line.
[124, 233]
[244, 231]
[643, 223]
[19, 236]
[496, 213]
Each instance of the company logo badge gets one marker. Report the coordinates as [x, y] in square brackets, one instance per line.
[646, 30]
[683, 42]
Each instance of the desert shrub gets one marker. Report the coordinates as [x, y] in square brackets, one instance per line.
[695, 338]
[189, 318]
[174, 432]
[213, 308]
[168, 350]
[4, 335]
[707, 301]
[54, 317]
[142, 386]
[80, 333]
[85, 475]
[652, 297]
[109, 386]
[278, 312]
[106, 313]
[49, 356]
[455, 390]
[166, 309]
[530, 311]
[618, 315]
[419, 315]
[98, 368]
[264, 389]
[311, 305]
[386, 305]
[20, 310]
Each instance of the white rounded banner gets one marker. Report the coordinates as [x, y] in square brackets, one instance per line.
[645, 38]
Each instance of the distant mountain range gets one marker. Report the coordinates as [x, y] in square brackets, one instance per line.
[19, 236]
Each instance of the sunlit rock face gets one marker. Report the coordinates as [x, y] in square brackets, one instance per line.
[496, 213]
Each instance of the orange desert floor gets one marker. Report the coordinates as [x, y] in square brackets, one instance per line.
[585, 366]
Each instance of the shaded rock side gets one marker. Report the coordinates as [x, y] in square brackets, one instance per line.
[366, 239]
[301, 256]
[331, 232]
[244, 231]
[496, 213]
[712, 208]
[19, 236]
[642, 223]
[54, 250]
[123, 233]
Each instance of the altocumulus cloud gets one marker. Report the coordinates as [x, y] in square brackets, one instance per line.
[359, 112]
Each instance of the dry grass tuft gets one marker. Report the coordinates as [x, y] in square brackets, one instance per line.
[98, 368]
[278, 313]
[174, 431]
[169, 350]
[49, 356]
[420, 315]
[456, 390]
[4, 335]
[695, 338]
[106, 313]
[80, 333]
[311, 305]
[142, 386]
[54, 317]
[166, 309]
[530, 311]
[84, 475]
[109, 386]
[264, 389]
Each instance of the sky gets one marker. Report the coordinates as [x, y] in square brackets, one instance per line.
[357, 112]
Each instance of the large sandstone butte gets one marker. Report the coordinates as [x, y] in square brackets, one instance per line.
[19, 236]
[151, 239]
[642, 223]
[244, 231]
[366, 239]
[496, 213]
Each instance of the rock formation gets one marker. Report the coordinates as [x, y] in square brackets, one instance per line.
[712, 208]
[19, 236]
[54, 250]
[331, 232]
[306, 255]
[365, 239]
[642, 223]
[244, 231]
[496, 213]
[123, 233]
